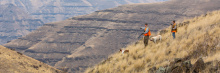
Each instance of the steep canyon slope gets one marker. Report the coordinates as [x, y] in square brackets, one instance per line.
[29, 14]
[83, 41]
[15, 23]
[196, 49]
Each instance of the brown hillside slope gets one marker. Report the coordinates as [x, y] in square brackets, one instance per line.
[199, 38]
[15, 62]
[83, 41]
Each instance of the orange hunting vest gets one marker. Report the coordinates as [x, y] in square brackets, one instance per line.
[147, 34]
[174, 30]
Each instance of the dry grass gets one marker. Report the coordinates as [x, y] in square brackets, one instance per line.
[15, 62]
[199, 38]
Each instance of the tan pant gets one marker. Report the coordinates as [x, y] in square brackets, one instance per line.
[146, 38]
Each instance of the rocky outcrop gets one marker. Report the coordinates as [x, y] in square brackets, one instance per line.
[199, 66]
[185, 66]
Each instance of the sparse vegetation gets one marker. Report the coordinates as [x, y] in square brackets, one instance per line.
[15, 62]
[196, 38]
[19, 53]
[64, 69]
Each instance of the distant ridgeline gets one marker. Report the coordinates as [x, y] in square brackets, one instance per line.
[50, 10]
[15, 23]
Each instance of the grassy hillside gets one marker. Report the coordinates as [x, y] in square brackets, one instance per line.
[15, 62]
[84, 41]
[197, 38]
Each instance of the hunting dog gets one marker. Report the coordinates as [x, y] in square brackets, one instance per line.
[156, 38]
[124, 51]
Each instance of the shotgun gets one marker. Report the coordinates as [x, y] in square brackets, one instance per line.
[139, 38]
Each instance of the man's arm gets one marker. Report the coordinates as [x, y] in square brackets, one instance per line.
[146, 31]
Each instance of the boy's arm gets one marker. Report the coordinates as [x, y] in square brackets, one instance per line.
[142, 28]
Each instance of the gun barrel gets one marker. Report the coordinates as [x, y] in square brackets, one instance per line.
[140, 35]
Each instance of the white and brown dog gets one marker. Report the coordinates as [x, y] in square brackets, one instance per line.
[156, 38]
[124, 51]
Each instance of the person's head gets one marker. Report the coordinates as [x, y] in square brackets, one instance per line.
[174, 21]
[146, 24]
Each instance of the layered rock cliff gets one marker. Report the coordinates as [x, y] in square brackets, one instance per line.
[57, 10]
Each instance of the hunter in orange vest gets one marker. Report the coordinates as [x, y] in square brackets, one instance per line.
[173, 29]
[146, 34]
